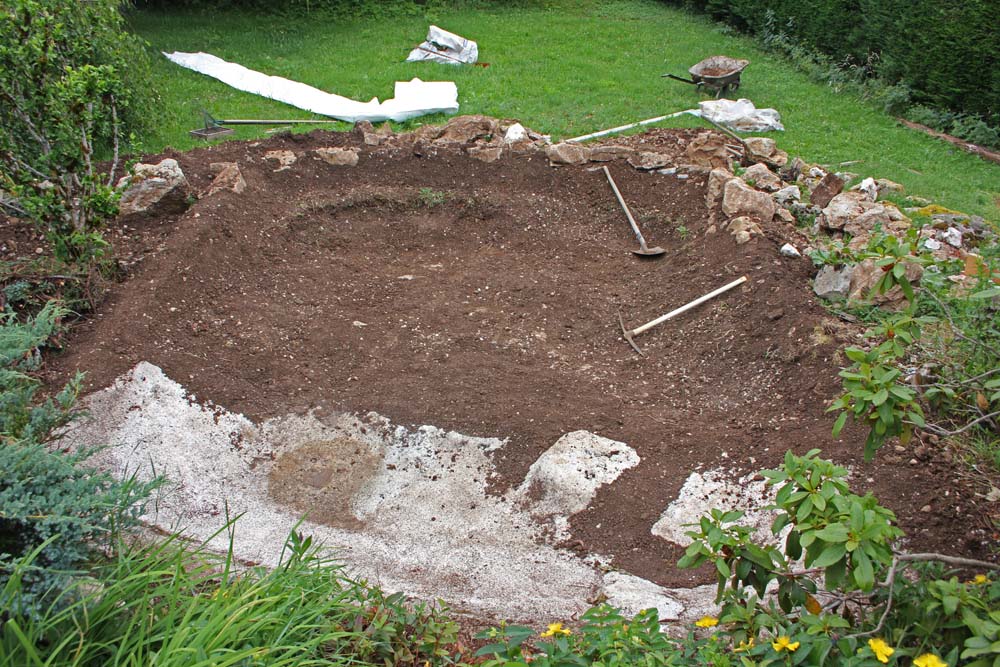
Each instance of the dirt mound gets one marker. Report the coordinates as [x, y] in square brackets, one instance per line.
[483, 297]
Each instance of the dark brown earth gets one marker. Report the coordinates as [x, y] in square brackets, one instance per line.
[438, 289]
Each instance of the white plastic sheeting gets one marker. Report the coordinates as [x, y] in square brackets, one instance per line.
[442, 46]
[412, 98]
[740, 115]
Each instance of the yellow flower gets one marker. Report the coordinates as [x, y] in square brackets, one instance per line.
[881, 650]
[744, 646]
[707, 622]
[785, 643]
[555, 629]
[980, 579]
[929, 660]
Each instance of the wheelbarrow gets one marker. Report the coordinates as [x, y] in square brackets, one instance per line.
[720, 73]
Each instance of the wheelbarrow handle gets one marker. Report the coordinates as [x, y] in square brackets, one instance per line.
[680, 78]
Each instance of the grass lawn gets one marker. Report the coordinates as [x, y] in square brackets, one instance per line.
[564, 69]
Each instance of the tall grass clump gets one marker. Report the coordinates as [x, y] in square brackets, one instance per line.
[170, 603]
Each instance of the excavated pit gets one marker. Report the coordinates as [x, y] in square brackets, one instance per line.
[392, 347]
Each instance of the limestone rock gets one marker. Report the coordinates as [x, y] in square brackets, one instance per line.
[486, 153]
[761, 146]
[567, 153]
[708, 149]
[647, 161]
[610, 152]
[843, 208]
[338, 157]
[785, 215]
[285, 159]
[853, 213]
[788, 250]
[227, 177]
[953, 237]
[787, 195]
[515, 134]
[833, 283]
[762, 178]
[743, 229]
[632, 594]
[884, 185]
[740, 199]
[467, 129]
[717, 179]
[829, 186]
[154, 189]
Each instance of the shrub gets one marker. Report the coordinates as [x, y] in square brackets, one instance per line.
[49, 505]
[72, 85]
[867, 610]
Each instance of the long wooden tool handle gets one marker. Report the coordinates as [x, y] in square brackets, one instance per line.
[700, 300]
[628, 213]
[622, 128]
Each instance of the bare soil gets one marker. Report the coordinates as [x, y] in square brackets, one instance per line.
[484, 297]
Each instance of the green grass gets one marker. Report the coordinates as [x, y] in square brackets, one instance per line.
[564, 69]
[171, 603]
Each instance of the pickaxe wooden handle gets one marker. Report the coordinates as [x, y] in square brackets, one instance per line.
[629, 333]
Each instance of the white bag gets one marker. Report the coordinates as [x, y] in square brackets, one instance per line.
[442, 46]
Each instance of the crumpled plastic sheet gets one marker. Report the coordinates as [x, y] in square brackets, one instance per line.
[442, 46]
[412, 98]
[740, 115]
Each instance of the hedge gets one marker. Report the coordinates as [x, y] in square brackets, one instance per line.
[945, 51]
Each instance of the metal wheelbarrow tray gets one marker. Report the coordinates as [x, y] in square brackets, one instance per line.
[720, 73]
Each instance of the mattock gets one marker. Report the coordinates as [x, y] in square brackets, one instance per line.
[629, 333]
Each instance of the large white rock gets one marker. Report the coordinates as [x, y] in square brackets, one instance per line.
[154, 189]
[565, 478]
[718, 489]
[633, 594]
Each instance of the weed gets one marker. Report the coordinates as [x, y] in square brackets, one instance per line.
[430, 197]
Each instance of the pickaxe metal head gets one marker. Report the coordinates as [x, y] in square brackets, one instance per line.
[627, 334]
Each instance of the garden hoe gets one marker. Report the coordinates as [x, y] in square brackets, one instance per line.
[643, 250]
[630, 333]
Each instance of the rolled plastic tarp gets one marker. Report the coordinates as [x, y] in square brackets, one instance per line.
[411, 99]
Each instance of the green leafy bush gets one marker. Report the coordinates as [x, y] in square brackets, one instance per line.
[51, 505]
[867, 611]
[72, 87]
